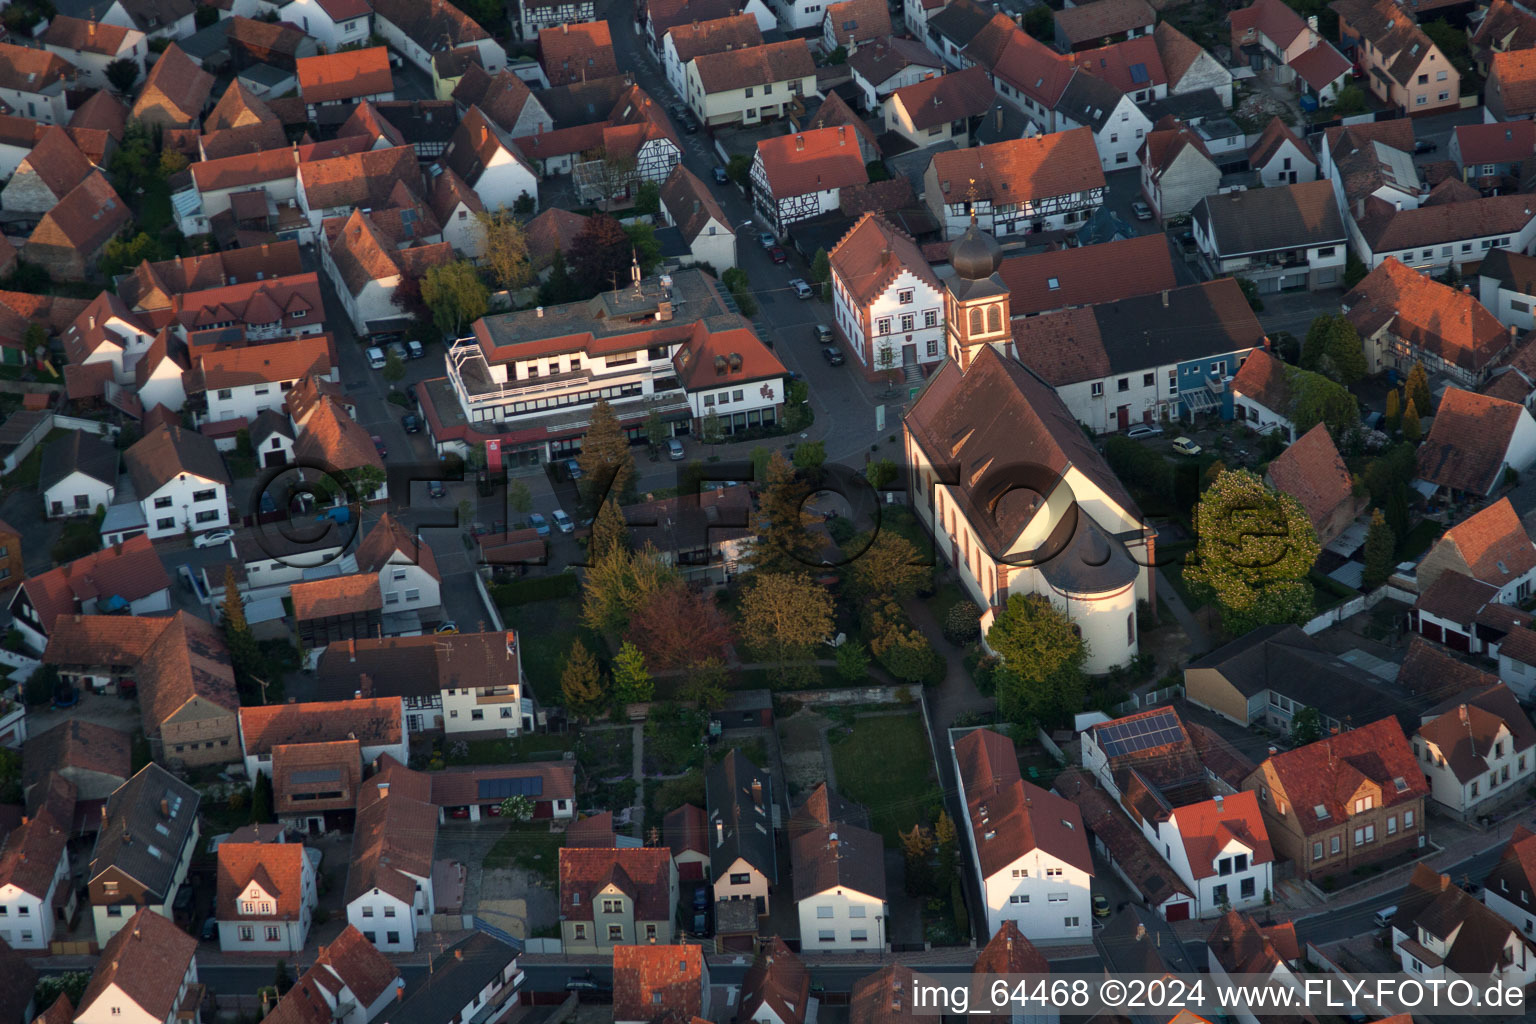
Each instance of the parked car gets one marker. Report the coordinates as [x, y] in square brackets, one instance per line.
[436, 489]
[397, 349]
[721, 178]
[833, 356]
[778, 255]
[458, 812]
[701, 924]
[585, 983]
[766, 239]
[537, 521]
[823, 334]
[562, 521]
[678, 112]
[414, 350]
[379, 446]
[802, 290]
[675, 450]
[1184, 446]
[1141, 210]
[446, 628]
[210, 929]
[376, 358]
[1100, 905]
[690, 125]
[411, 423]
[1142, 430]
[573, 469]
[410, 396]
[701, 897]
[213, 538]
[1425, 146]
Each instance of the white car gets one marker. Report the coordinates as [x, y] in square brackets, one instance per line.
[375, 358]
[802, 290]
[215, 537]
[1184, 446]
[562, 521]
[1141, 430]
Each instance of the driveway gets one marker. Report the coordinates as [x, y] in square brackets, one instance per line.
[114, 712]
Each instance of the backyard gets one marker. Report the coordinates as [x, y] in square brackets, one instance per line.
[883, 762]
[546, 630]
[531, 846]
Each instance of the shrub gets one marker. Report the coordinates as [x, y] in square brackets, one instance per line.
[963, 623]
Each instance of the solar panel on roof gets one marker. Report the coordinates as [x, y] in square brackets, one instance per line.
[1139, 73]
[1138, 734]
[500, 789]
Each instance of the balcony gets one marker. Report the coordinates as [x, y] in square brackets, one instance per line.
[497, 695]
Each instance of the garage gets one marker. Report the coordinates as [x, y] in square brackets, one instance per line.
[1178, 911]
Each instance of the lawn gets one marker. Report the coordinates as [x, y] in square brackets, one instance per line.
[1418, 540]
[529, 747]
[26, 472]
[946, 597]
[1193, 600]
[531, 846]
[885, 764]
[547, 630]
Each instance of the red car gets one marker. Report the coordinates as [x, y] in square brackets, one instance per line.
[778, 255]
[458, 812]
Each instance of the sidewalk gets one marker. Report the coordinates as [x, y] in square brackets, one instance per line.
[1199, 639]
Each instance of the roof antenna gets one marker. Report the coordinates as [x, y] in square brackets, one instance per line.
[971, 197]
[634, 270]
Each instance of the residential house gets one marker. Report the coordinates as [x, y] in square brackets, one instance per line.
[350, 979]
[887, 303]
[1490, 546]
[187, 696]
[124, 577]
[1505, 27]
[351, 76]
[1268, 676]
[1268, 32]
[1506, 286]
[1045, 183]
[1466, 615]
[706, 536]
[1028, 847]
[490, 162]
[1085, 26]
[376, 724]
[418, 30]
[273, 44]
[659, 981]
[1473, 443]
[33, 83]
[661, 16]
[389, 893]
[743, 862]
[1189, 67]
[12, 571]
[839, 872]
[161, 19]
[265, 898]
[99, 653]
[479, 791]
[1146, 750]
[149, 830]
[537, 15]
[338, 608]
[1313, 472]
[1490, 156]
[1510, 94]
[263, 310]
[886, 997]
[852, 23]
[180, 481]
[748, 86]
[1439, 235]
[37, 893]
[334, 24]
[1372, 161]
[684, 830]
[940, 109]
[798, 177]
[147, 971]
[90, 46]
[1477, 750]
[689, 205]
[1281, 238]
[885, 65]
[1402, 65]
[91, 760]
[330, 437]
[577, 53]
[1085, 275]
[777, 987]
[176, 92]
[77, 475]
[1239, 945]
[69, 238]
[1441, 933]
[1510, 886]
[242, 383]
[1281, 156]
[1177, 169]
[1219, 847]
[618, 897]
[366, 266]
[458, 210]
[1405, 317]
[1350, 799]
[407, 569]
[477, 976]
[682, 43]
[1144, 359]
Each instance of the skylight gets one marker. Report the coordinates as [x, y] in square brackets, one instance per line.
[1401, 784]
[1320, 811]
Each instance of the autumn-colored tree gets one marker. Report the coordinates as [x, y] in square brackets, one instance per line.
[1394, 409]
[632, 683]
[455, 295]
[609, 531]
[506, 249]
[620, 584]
[948, 841]
[784, 616]
[679, 627]
[1254, 549]
[1413, 428]
[783, 543]
[1418, 389]
[917, 848]
[607, 464]
[234, 604]
[600, 255]
[1380, 543]
[889, 565]
[705, 684]
[581, 683]
[1041, 677]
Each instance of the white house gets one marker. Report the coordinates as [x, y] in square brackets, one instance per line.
[366, 267]
[180, 481]
[1051, 182]
[1261, 395]
[389, 894]
[244, 382]
[839, 873]
[154, 808]
[34, 82]
[1490, 546]
[1441, 933]
[882, 67]
[490, 163]
[797, 177]
[160, 377]
[266, 897]
[408, 574]
[108, 331]
[1510, 888]
[377, 723]
[1446, 462]
[688, 205]
[91, 46]
[477, 978]
[1302, 242]
[1219, 848]
[1280, 156]
[1239, 945]
[350, 979]
[1506, 285]
[175, 20]
[752, 85]
[458, 209]
[1433, 237]
[334, 24]
[77, 474]
[682, 43]
[1028, 847]
[417, 29]
[33, 865]
[149, 946]
[1478, 752]
[887, 303]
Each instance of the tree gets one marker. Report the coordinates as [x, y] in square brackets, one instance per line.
[607, 464]
[885, 358]
[632, 683]
[1355, 269]
[41, 685]
[889, 565]
[506, 250]
[881, 473]
[656, 432]
[261, 799]
[123, 254]
[559, 288]
[204, 15]
[917, 848]
[705, 683]
[1413, 429]
[1332, 347]
[600, 254]
[281, 980]
[1316, 399]
[123, 75]
[1251, 293]
[519, 497]
[1306, 727]
[172, 162]
[821, 272]
[71, 984]
[810, 456]
[1253, 551]
[581, 682]
[1043, 657]
[517, 808]
[647, 199]
[394, 367]
[679, 628]
[609, 531]
[455, 295]
[620, 584]
[1418, 390]
[784, 616]
[1394, 410]
[234, 604]
[852, 662]
[949, 848]
[1380, 544]
[739, 169]
[1350, 100]
[783, 542]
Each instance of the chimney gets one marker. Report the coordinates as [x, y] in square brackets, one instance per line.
[719, 833]
[842, 135]
[832, 843]
[1464, 719]
[383, 789]
[1273, 751]
[1218, 803]
[757, 786]
[165, 805]
[1165, 298]
[1467, 288]
[400, 992]
[1141, 932]
[997, 117]
[458, 954]
[799, 143]
[539, 312]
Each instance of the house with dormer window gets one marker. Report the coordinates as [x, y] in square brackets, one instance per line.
[241, 383]
[1045, 183]
[1442, 933]
[266, 897]
[887, 304]
[1478, 749]
[1510, 888]
[1219, 848]
[147, 974]
[1490, 546]
[743, 855]
[616, 897]
[149, 831]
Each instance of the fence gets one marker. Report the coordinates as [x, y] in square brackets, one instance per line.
[1050, 746]
[1148, 699]
[857, 695]
[1339, 612]
[490, 606]
[497, 933]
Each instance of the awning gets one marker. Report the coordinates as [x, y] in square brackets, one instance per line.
[1198, 400]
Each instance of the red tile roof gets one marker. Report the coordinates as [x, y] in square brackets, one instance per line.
[1386, 229]
[1011, 817]
[858, 21]
[330, 434]
[270, 363]
[1207, 827]
[372, 721]
[1467, 444]
[1493, 544]
[1088, 274]
[1427, 314]
[31, 855]
[1276, 134]
[778, 983]
[359, 965]
[1312, 471]
[1130, 66]
[642, 873]
[735, 32]
[85, 219]
[701, 358]
[278, 868]
[813, 161]
[1328, 773]
[179, 81]
[395, 837]
[1320, 66]
[754, 66]
[146, 961]
[351, 74]
[189, 662]
[85, 36]
[1102, 18]
[1271, 18]
[1466, 732]
[340, 595]
[946, 98]
[577, 53]
[873, 254]
[1021, 170]
[1496, 143]
[315, 777]
[460, 787]
[654, 981]
[130, 570]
